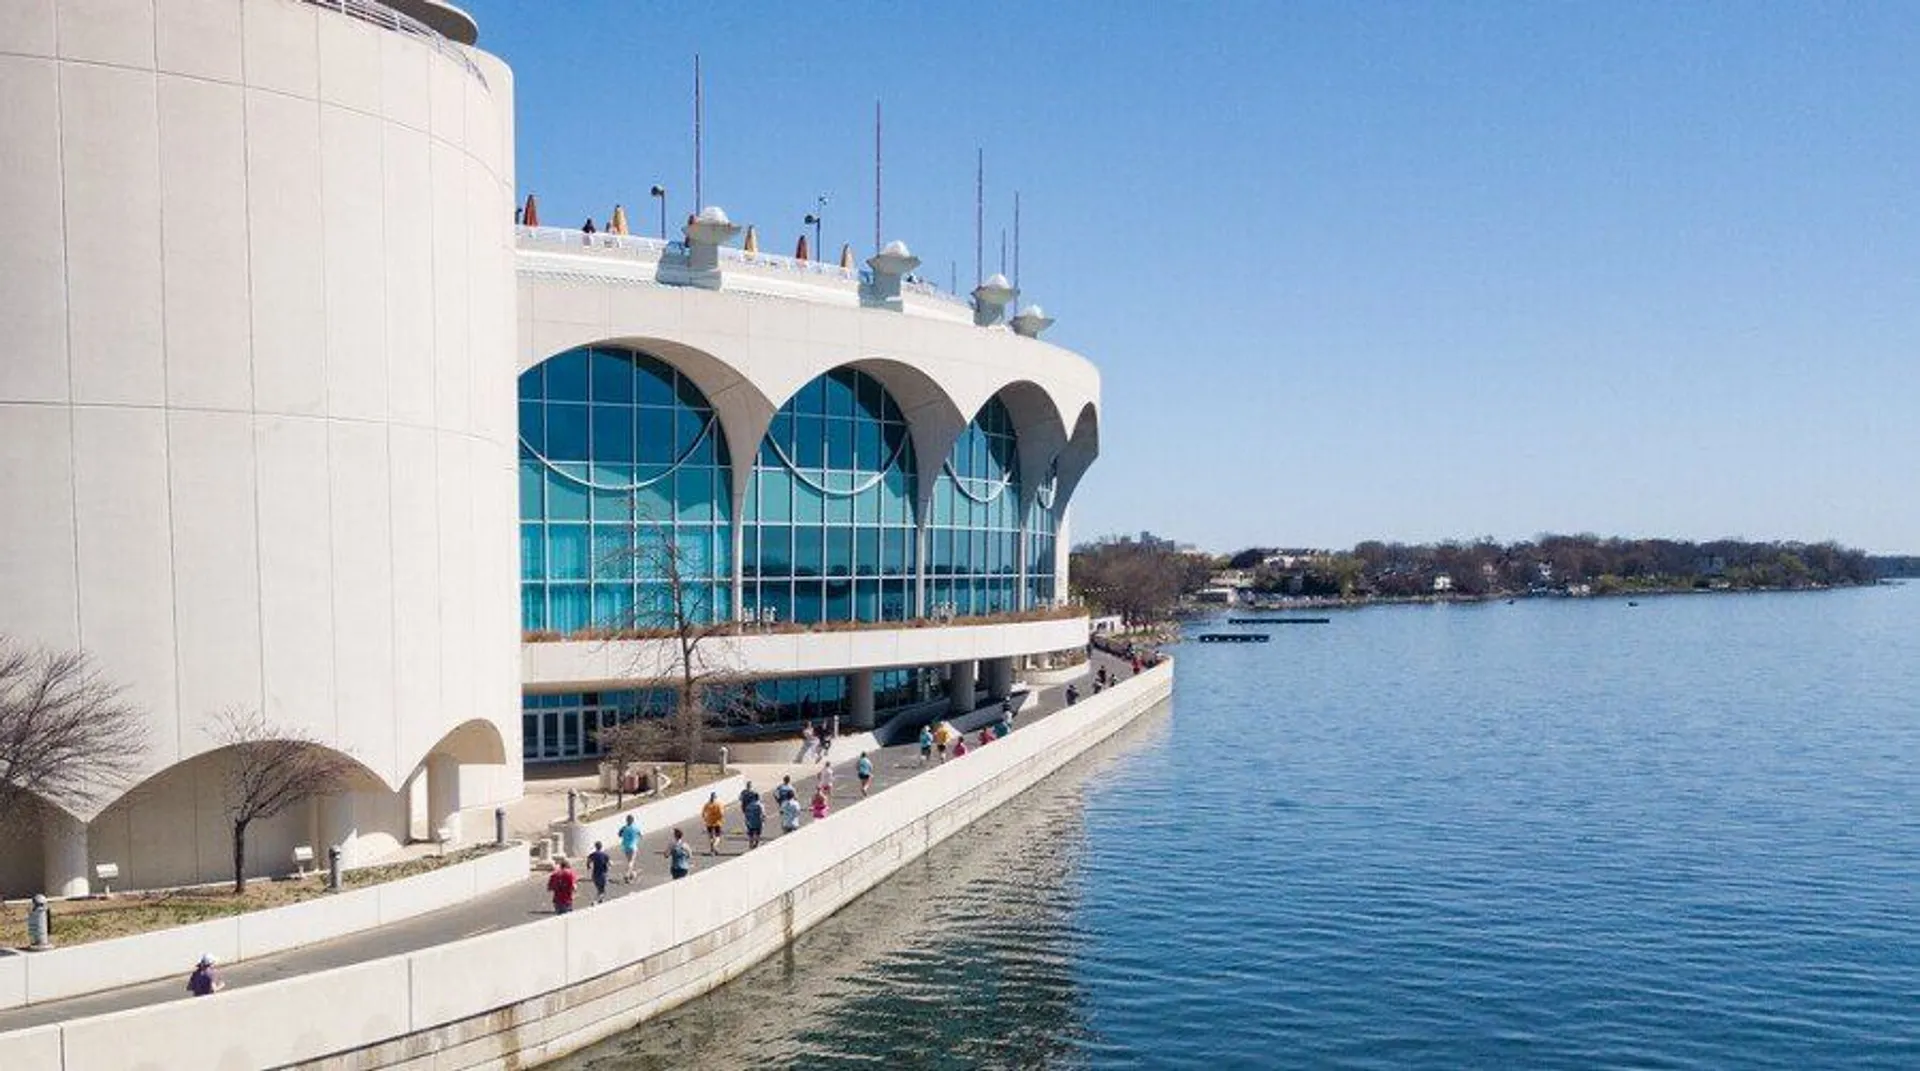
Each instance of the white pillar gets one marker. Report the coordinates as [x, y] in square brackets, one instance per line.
[860, 700]
[338, 828]
[443, 796]
[63, 842]
[999, 677]
[960, 687]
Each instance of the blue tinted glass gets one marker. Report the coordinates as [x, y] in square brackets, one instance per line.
[533, 607]
[533, 383]
[808, 550]
[776, 550]
[613, 433]
[566, 498]
[533, 552]
[612, 377]
[567, 377]
[810, 442]
[839, 551]
[533, 425]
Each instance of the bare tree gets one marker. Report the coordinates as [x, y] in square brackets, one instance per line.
[67, 738]
[691, 644]
[271, 769]
[635, 741]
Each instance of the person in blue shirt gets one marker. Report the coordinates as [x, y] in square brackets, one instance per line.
[864, 771]
[679, 856]
[926, 743]
[754, 813]
[598, 863]
[629, 846]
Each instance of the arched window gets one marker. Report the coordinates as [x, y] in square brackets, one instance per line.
[1043, 528]
[973, 550]
[829, 533]
[623, 485]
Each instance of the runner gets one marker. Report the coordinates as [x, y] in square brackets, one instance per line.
[790, 812]
[629, 847]
[711, 814]
[942, 735]
[926, 743]
[864, 771]
[679, 856]
[825, 779]
[560, 885]
[598, 863]
[820, 805]
[754, 813]
[960, 746]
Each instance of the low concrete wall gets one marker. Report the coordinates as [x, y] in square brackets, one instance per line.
[532, 993]
[36, 977]
[679, 808]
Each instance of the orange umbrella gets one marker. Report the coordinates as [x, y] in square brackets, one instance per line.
[800, 252]
[752, 242]
[618, 224]
[846, 256]
[531, 215]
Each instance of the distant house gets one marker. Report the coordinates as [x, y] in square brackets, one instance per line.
[1442, 583]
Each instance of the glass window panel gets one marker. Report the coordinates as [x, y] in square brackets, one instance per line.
[808, 551]
[695, 548]
[869, 453]
[893, 546]
[612, 552]
[612, 378]
[613, 605]
[533, 425]
[533, 382]
[653, 382]
[567, 377]
[807, 505]
[693, 495]
[839, 601]
[839, 552]
[612, 433]
[567, 607]
[943, 500]
[533, 607]
[723, 554]
[567, 551]
[867, 600]
[613, 506]
[866, 554]
[812, 397]
[775, 496]
[777, 599]
[533, 552]
[566, 499]
[942, 561]
[532, 480]
[776, 550]
[687, 426]
[653, 503]
[839, 509]
[839, 389]
[809, 446]
[567, 433]
[654, 431]
[866, 505]
[750, 551]
[653, 605]
[840, 439]
[806, 602]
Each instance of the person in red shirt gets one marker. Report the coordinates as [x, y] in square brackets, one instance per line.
[560, 884]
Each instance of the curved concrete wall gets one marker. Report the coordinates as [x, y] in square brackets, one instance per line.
[257, 394]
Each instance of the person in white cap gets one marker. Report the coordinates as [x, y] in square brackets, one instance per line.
[202, 982]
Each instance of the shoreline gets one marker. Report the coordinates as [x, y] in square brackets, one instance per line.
[1335, 602]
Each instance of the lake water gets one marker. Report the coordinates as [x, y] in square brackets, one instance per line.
[1554, 834]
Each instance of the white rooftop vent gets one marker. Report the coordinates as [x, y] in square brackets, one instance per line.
[895, 248]
[713, 214]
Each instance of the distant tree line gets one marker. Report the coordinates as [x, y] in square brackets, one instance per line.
[1550, 563]
[1142, 582]
[1888, 566]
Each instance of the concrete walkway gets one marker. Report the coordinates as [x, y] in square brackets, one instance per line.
[528, 900]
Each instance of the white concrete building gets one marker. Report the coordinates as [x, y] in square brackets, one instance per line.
[285, 392]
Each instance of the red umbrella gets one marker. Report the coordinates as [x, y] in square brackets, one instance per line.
[531, 215]
[800, 253]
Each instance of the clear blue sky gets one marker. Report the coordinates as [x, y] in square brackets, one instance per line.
[1406, 271]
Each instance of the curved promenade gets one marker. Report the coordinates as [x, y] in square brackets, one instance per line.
[535, 990]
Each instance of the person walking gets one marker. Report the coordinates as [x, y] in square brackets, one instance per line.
[986, 735]
[711, 814]
[820, 805]
[942, 736]
[864, 771]
[1073, 695]
[807, 742]
[754, 813]
[826, 739]
[825, 778]
[926, 743]
[203, 982]
[960, 746]
[790, 812]
[629, 847]
[560, 886]
[784, 791]
[679, 856]
[598, 863]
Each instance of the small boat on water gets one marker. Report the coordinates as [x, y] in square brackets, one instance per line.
[1233, 637]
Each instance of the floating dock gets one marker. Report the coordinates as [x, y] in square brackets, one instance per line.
[1279, 620]
[1233, 637]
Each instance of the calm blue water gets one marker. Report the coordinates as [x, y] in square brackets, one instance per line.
[1548, 835]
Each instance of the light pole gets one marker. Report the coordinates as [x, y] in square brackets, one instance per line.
[660, 195]
[814, 219]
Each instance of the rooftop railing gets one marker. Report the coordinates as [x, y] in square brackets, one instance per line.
[575, 238]
[388, 19]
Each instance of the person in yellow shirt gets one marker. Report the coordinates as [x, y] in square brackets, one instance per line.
[942, 736]
[711, 814]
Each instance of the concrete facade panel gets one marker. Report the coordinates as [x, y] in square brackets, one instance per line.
[198, 39]
[352, 189]
[203, 183]
[27, 27]
[33, 260]
[39, 573]
[110, 160]
[409, 276]
[453, 317]
[286, 255]
[404, 72]
[125, 552]
[296, 574]
[216, 563]
[282, 48]
[362, 568]
[116, 32]
[350, 64]
[413, 491]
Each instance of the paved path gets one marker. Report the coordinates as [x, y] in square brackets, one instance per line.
[528, 900]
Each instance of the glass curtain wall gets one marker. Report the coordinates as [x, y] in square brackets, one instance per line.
[623, 475]
[1042, 539]
[973, 539]
[829, 529]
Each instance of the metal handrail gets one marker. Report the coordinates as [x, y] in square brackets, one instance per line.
[573, 236]
[388, 19]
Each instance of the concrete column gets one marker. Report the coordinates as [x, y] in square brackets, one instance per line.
[999, 677]
[443, 795]
[960, 678]
[339, 828]
[860, 700]
[63, 843]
